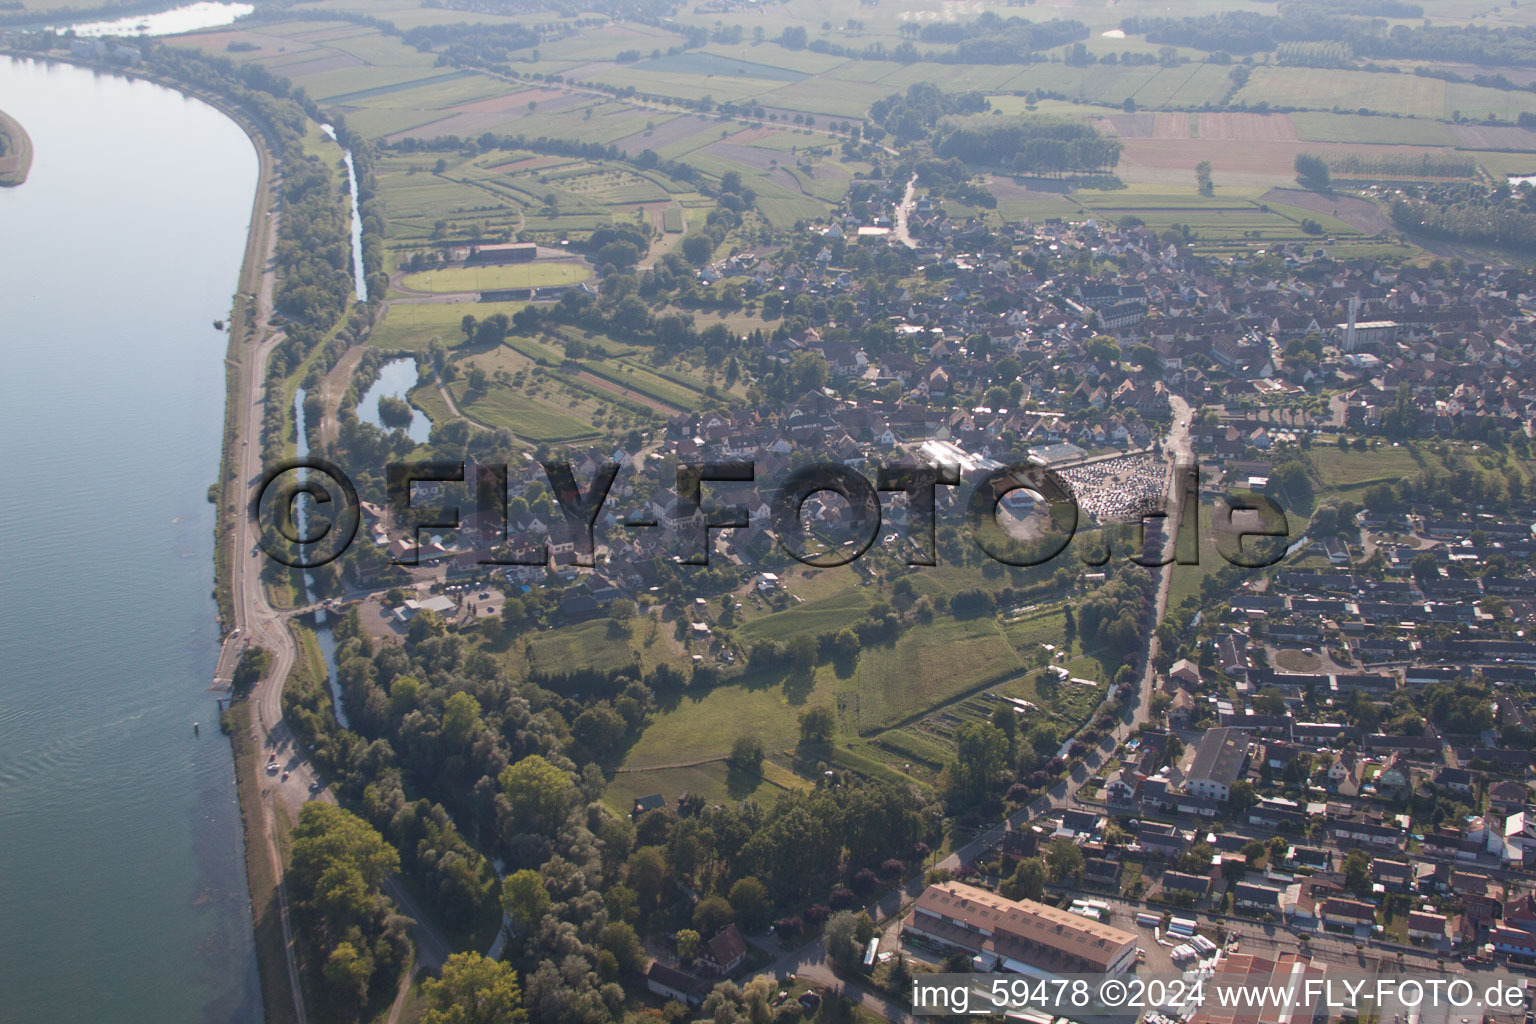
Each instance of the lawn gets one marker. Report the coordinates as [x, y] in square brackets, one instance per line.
[1347, 474]
[351, 85]
[715, 781]
[532, 418]
[703, 726]
[827, 615]
[417, 199]
[410, 326]
[1188, 85]
[926, 666]
[1028, 632]
[887, 703]
[1187, 579]
[1298, 661]
[1474, 101]
[602, 645]
[474, 279]
[915, 747]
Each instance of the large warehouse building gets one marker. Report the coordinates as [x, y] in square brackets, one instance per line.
[1021, 936]
[1279, 987]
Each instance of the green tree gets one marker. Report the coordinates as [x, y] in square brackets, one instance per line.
[336, 854]
[461, 718]
[1312, 172]
[1292, 482]
[749, 898]
[349, 972]
[1196, 860]
[473, 990]
[817, 726]
[1102, 348]
[538, 791]
[524, 898]
[712, 914]
[687, 943]
[1357, 872]
[646, 872]
[622, 903]
[840, 934]
[802, 648]
[747, 755]
[425, 625]
[1203, 178]
[697, 249]
[403, 693]
[981, 752]
[1063, 859]
[1027, 881]
[621, 940]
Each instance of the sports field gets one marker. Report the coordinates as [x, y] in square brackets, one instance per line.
[474, 279]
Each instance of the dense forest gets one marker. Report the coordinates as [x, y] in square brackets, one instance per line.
[1470, 213]
[1389, 166]
[992, 39]
[1029, 145]
[912, 115]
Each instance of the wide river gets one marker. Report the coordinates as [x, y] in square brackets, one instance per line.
[122, 882]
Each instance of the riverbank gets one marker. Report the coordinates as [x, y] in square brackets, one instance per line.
[15, 152]
[264, 824]
[263, 876]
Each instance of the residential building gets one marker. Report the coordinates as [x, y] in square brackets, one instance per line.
[1220, 759]
[725, 953]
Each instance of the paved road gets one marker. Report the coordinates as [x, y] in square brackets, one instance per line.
[1063, 794]
[904, 211]
[254, 619]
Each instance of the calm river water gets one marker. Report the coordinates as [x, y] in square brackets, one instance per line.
[122, 882]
